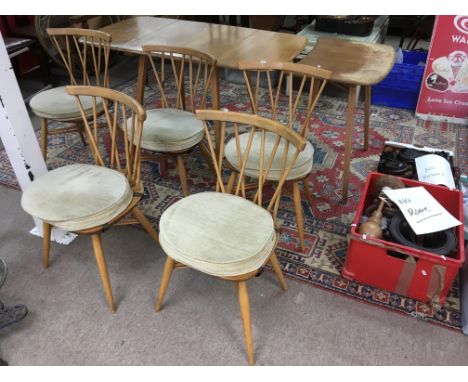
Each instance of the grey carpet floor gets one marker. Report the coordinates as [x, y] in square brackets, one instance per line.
[69, 323]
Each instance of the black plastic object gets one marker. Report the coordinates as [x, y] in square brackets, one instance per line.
[410, 155]
[391, 164]
[351, 25]
[9, 315]
[401, 162]
[441, 243]
[395, 167]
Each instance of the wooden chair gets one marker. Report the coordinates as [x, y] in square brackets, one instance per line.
[297, 115]
[85, 54]
[88, 199]
[226, 235]
[172, 130]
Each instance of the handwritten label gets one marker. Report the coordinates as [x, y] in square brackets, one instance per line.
[423, 213]
[434, 169]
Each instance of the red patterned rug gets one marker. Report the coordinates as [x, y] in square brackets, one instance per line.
[327, 221]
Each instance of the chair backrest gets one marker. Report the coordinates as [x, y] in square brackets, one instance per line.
[85, 54]
[190, 70]
[232, 125]
[301, 103]
[119, 108]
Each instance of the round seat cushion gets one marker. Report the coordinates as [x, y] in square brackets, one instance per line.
[78, 196]
[218, 234]
[171, 130]
[301, 168]
[58, 105]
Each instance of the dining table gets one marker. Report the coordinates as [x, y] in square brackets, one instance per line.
[228, 44]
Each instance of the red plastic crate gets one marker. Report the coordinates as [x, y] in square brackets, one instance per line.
[418, 274]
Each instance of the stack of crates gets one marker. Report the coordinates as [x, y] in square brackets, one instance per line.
[400, 88]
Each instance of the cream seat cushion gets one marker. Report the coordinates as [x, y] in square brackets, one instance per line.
[302, 167]
[218, 234]
[171, 130]
[78, 196]
[56, 104]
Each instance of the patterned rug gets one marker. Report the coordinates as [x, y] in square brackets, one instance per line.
[327, 221]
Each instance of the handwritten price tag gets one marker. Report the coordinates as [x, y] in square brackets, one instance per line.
[423, 213]
[434, 169]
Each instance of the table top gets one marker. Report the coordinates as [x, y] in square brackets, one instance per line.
[354, 63]
[228, 44]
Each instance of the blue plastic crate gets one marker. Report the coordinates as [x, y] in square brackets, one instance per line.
[400, 88]
[403, 73]
[395, 97]
[414, 57]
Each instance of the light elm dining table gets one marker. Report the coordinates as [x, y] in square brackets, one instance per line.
[228, 44]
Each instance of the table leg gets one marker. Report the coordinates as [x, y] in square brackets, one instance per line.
[141, 79]
[349, 141]
[367, 104]
[214, 87]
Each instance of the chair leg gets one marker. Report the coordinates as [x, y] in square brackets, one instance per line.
[46, 230]
[367, 104]
[307, 192]
[101, 263]
[166, 276]
[206, 154]
[277, 268]
[145, 223]
[245, 314]
[80, 129]
[44, 134]
[231, 182]
[163, 167]
[182, 175]
[298, 208]
[275, 210]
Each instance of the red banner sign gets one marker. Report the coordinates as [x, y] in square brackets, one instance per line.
[444, 90]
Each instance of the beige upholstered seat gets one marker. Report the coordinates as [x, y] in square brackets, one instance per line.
[304, 87]
[302, 166]
[171, 130]
[89, 199]
[56, 104]
[78, 196]
[219, 234]
[224, 234]
[85, 56]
